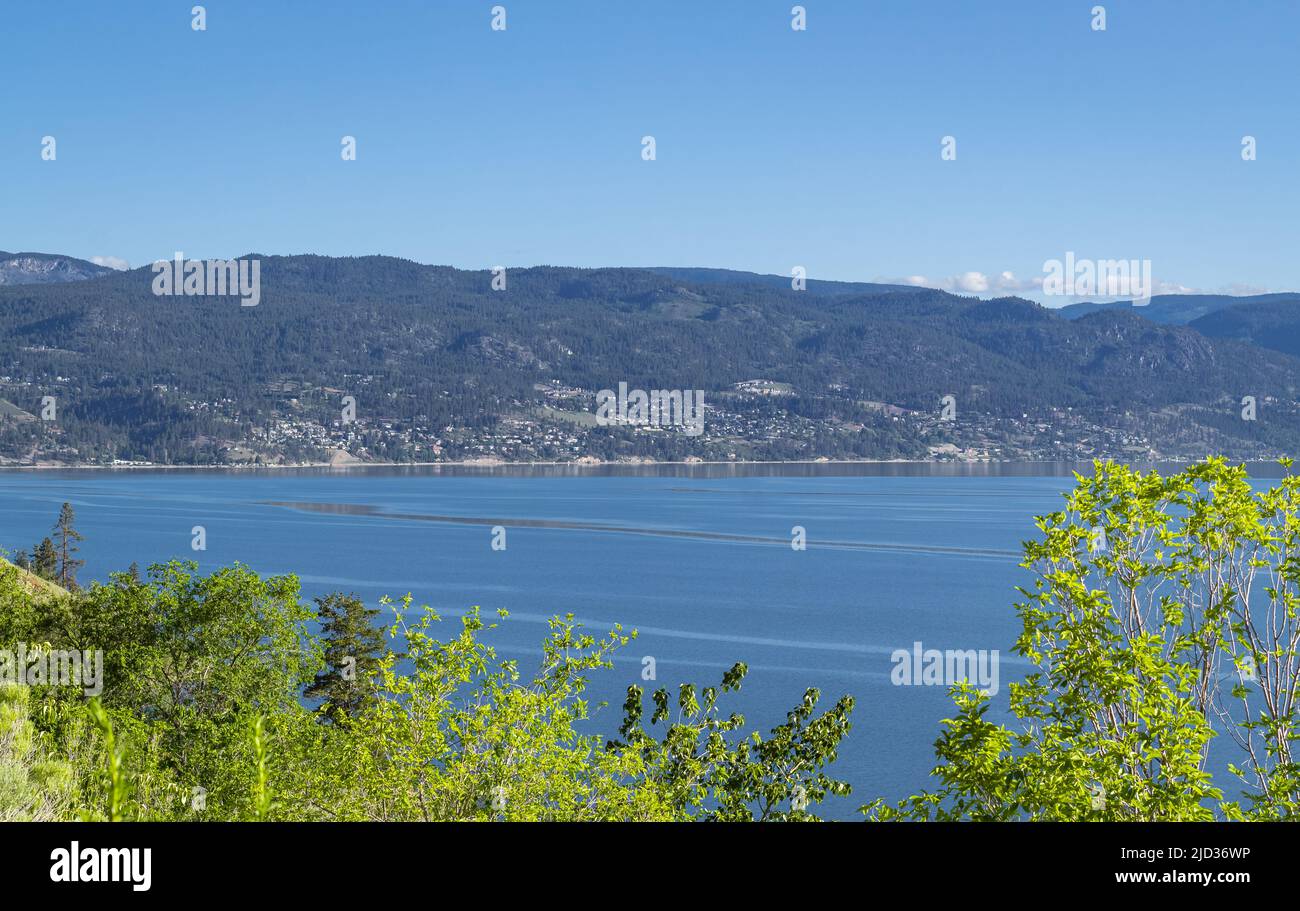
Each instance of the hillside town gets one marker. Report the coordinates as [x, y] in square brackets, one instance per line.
[305, 424]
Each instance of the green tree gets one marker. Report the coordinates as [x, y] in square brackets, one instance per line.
[202, 717]
[458, 734]
[189, 661]
[67, 537]
[45, 560]
[352, 648]
[1165, 612]
[709, 772]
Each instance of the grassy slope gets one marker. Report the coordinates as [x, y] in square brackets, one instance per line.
[9, 409]
[33, 583]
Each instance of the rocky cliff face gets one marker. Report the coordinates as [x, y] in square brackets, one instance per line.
[44, 269]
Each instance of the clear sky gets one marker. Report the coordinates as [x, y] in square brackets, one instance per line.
[775, 147]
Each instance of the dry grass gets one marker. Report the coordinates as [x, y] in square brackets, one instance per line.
[32, 583]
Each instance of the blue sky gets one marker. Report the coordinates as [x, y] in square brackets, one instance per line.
[775, 148]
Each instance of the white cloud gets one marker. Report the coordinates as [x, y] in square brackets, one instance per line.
[972, 283]
[112, 262]
[1006, 283]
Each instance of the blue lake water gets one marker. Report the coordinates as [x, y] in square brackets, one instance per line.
[699, 562]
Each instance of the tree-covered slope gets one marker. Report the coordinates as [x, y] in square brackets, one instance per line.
[1180, 309]
[436, 343]
[1272, 325]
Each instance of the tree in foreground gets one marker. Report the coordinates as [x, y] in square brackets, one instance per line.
[1163, 619]
[45, 561]
[457, 733]
[67, 538]
[202, 716]
[353, 647]
[710, 774]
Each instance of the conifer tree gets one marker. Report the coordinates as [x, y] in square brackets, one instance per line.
[45, 560]
[353, 647]
[67, 537]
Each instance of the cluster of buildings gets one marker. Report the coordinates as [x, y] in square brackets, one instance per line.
[310, 423]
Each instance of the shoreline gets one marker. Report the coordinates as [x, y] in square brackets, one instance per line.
[715, 468]
[479, 463]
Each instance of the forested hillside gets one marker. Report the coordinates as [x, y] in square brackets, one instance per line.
[1274, 325]
[1181, 309]
[443, 366]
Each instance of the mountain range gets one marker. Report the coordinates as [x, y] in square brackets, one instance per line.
[440, 365]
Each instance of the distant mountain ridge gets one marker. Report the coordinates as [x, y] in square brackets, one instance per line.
[1179, 309]
[1166, 309]
[1270, 324]
[46, 268]
[706, 276]
[436, 354]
